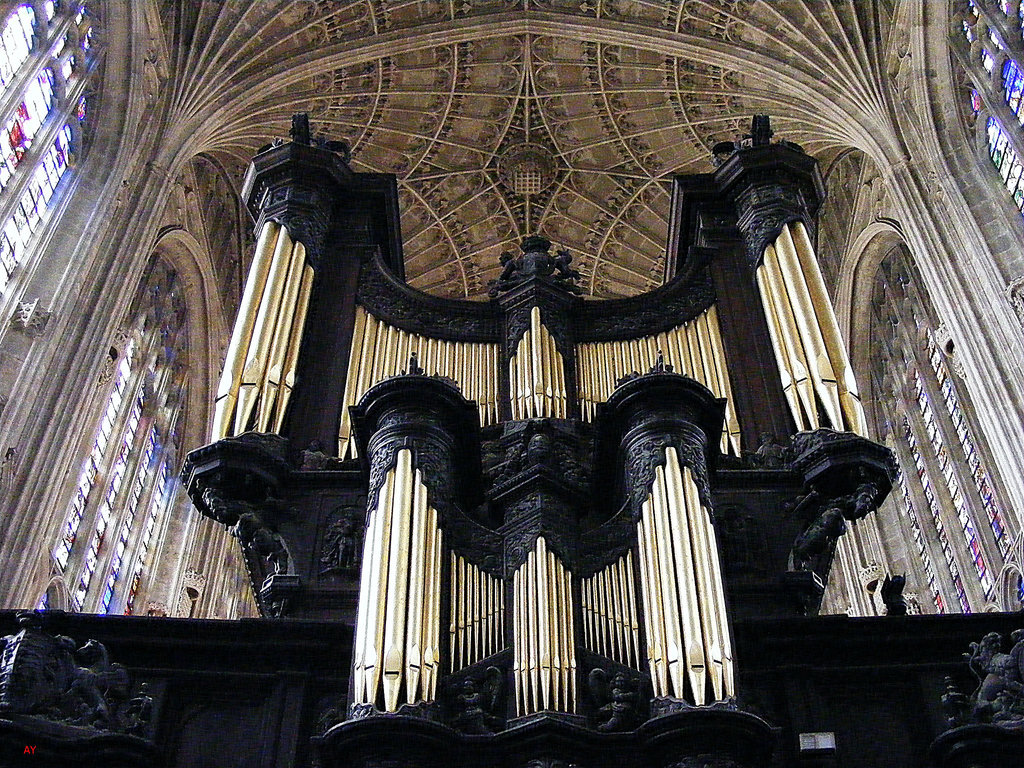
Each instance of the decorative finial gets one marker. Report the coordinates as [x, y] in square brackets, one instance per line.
[660, 366]
[414, 366]
[300, 129]
[761, 130]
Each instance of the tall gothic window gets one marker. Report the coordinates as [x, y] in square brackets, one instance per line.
[994, 39]
[45, 62]
[127, 482]
[951, 509]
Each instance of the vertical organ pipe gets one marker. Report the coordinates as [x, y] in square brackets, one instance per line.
[848, 393]
[693, 348]
[227, 391]
[544, 658]
[682, 591]
[805, 333]
[262, 332]
[396, 645]
[259, 366]
[379, 350]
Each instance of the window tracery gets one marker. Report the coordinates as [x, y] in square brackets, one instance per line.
[44, 56]
[131, 458]
[944, 479]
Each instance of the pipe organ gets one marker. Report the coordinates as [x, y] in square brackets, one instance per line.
[809, 348]
[684, 604]
[380, 350]
[544, 666]
[537, 374]
[262, 356]
[608, 599]
[538, 484]
[477, 623]
[397, 643]
[694, 348]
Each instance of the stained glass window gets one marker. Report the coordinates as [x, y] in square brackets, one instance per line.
[974, 464]
[92, 464]
[1006, 162]
[15, 42]
[926, 561]
[161, 500]
[142, 477]
[936, 515]
[947, 468]
[117, 473]
[38, 134]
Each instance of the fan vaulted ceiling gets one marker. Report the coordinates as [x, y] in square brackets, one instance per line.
[502, 119]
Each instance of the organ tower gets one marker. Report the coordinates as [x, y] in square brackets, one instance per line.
[541, 514]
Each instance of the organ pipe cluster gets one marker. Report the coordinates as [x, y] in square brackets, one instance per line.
[536, 374]
[609, 612]
[544, 659]
[259, 369]
[809, 349]
[477, 628]
[693, 348]
[688, 645]
[380, 350]
[397, 643]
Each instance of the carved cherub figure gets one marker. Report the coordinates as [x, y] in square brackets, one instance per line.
[617, 700]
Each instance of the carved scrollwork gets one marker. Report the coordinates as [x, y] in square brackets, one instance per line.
[389, 300]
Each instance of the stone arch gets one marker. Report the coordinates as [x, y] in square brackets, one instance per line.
[206, 325]
[57, 595]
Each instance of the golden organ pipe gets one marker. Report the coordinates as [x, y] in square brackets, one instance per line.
[631, 597]
[398, 579]
[553, 633]
[234, 360]
[718, 354]
[292, 358]
[517, 640]
[790, 337]
[262, 332]
[819, 365]
[359, 660]
[680, 650]
[647, 602]
[848, 392]
[435, 625]
[656, 619]
[377, 595]
[786, 364]
[686, 552]
[417, 575]
[543, 623]
[707, 631]
[529, 590]
[271, 383]
[717, 589]
[570, 645]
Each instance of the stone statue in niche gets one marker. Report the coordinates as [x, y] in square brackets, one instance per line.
[999, 697]
[616, 700]
[340, 546]
[535, 262]
[476, 702]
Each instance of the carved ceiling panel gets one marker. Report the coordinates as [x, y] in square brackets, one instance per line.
[502, 119]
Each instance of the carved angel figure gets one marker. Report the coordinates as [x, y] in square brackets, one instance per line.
[616, 699]
[476, 703]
